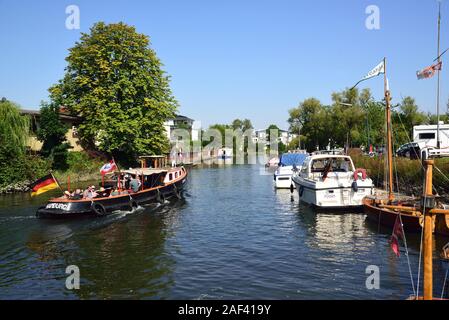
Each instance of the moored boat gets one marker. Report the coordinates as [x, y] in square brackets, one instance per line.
[287, 163]
[331, 181]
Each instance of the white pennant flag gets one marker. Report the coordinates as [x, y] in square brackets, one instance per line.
[380, 68]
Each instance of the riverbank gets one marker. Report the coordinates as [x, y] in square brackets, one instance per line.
[408, 174]
[81, 168]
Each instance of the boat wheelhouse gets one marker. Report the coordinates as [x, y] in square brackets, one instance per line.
[331, 181]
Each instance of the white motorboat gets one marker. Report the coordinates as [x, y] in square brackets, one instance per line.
[287, 163]
[331, 181]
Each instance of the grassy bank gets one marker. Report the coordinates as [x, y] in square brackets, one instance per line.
[409, 173]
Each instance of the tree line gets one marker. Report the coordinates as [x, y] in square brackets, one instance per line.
[354, 119]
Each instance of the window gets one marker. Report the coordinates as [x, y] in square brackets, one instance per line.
[427, 135]
[170, 176]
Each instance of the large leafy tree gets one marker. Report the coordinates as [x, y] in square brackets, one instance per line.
[311, 119]
[52, 133]
[114, 81]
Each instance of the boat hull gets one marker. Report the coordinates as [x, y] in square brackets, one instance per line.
[331, 197]
[387, 218]
[62, 208]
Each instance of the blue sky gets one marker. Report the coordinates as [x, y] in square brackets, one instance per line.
[237, 59]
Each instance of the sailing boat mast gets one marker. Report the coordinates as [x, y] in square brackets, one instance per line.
[438, 81]
[389, 137]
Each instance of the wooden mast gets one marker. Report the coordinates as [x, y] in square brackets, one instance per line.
[389, 138]
[427, 245]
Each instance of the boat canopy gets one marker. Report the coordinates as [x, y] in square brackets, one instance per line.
[290, 159]
[144, 171]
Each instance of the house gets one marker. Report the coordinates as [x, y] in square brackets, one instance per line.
[182, 122]
[70, 121]
[284, 136]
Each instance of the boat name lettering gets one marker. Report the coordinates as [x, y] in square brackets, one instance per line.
[61, 206]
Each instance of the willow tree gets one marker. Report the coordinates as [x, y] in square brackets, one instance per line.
[14, 129]
[114, 81]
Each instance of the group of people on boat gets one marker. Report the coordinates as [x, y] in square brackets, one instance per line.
[128, 185]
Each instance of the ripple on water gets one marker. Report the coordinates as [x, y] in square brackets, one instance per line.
[233, 237]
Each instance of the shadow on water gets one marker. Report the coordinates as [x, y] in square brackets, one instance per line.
[119, 256]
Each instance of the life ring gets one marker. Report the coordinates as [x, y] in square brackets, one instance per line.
[356, 174]
[301, 191]
[99, 209]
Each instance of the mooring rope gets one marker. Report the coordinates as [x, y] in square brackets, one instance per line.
[408, 258]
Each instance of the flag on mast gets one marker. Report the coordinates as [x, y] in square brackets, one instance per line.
[428, 72]
[377, 70]
[108, 167]
[397, 233]
[44, 184]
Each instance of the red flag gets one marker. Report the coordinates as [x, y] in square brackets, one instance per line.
[398, 232]
[108, 167]
[429, 71]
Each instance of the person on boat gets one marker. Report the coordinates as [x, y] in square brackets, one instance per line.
[90, 193]
[126, 180]
[102, 193]
[114, 192]
[66, 195]
[134, 184]
[77, 195]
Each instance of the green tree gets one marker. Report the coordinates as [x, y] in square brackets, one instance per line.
[348, 117]
[114, 81]
[14, 129]
[405, 119]
[14, 134]
[52, 133]
[312, 119]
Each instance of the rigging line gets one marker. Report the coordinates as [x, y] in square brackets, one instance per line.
[395, 161]
[406, 254]
[444, 284]
[408, 138]
[421, 243]
[445, 177]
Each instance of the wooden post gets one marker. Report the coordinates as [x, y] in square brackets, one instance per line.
[389, 139]
[428, 247]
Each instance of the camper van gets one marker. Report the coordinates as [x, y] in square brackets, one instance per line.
[426, 135]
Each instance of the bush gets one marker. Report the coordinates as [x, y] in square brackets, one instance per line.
[22, 168]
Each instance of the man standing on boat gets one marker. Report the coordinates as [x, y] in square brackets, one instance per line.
[135, 184]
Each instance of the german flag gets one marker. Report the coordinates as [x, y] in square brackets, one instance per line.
[44, 184]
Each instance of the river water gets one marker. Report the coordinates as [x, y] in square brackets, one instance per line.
[232, 237]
